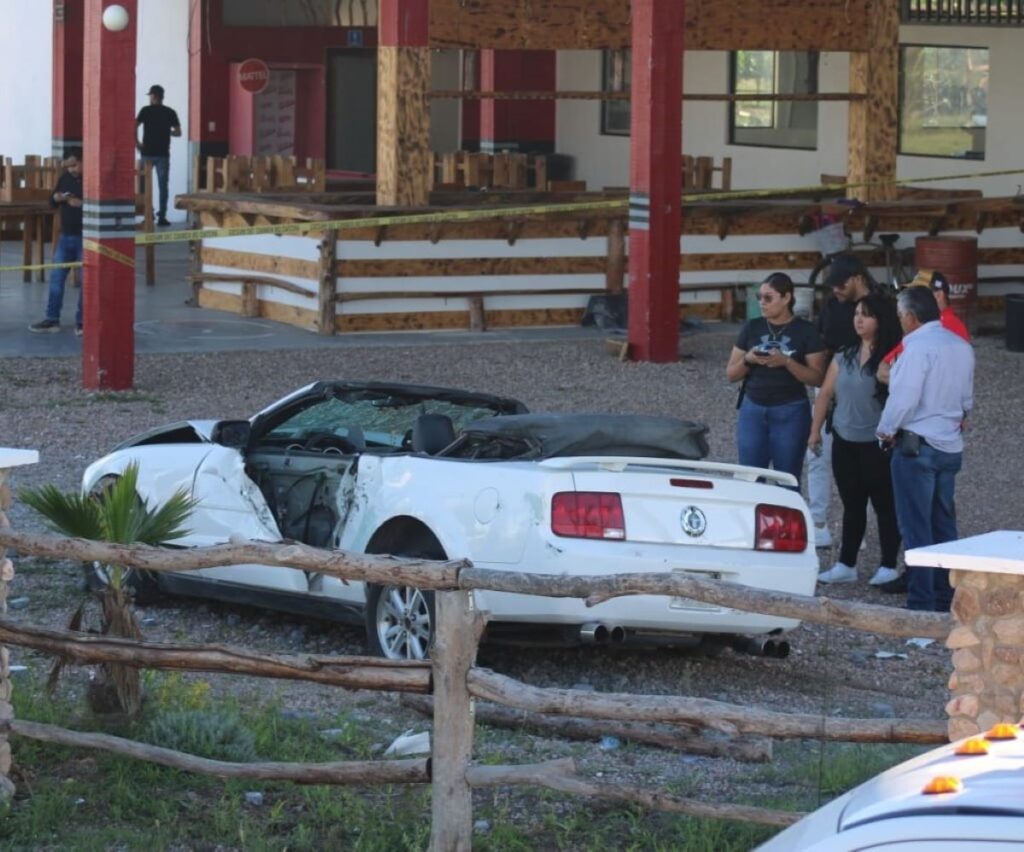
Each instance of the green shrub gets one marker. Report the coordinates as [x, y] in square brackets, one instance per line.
[204, 733]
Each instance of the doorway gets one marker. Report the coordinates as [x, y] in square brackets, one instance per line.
[352, 110]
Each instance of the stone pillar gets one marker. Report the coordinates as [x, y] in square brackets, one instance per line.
[988, 649]
[8, 459]
[987, 574]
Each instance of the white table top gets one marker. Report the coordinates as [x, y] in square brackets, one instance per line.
[999, 552]
[16, 458]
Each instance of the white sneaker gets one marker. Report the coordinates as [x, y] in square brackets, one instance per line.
[822, 537]
[838, 573]
[883, 575]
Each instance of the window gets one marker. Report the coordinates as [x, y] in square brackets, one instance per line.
[986, 13]
[943, 101]
[774, 124]
[615, 115]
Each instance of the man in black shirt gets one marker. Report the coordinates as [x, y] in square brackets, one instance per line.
[159, 123]
[67, 196]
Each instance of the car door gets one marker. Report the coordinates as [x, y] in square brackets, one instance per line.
[231, 507]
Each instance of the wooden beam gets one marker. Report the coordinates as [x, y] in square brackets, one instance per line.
[840, 25]
[873, 122]
[327, 285]
[654, 201]
[453, 652]
[403, 113]
[576, 95]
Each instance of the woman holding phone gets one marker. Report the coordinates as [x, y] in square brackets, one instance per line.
[777, 356]
[860, 466]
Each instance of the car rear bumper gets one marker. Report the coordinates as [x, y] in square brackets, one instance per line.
[795, 573]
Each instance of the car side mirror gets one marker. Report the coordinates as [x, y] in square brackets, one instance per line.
[232, 433]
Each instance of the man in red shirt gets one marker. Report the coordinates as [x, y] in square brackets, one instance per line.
[939, 286]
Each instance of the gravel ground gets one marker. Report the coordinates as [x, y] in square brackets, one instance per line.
[831, 671]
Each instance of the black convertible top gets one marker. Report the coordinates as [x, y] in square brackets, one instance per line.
[544, 436]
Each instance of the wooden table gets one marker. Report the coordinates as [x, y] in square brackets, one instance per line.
[33, 216]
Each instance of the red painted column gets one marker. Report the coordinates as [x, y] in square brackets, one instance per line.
[527, 126]
[108, 350]
[68, 44]
[208, 52]
[655, 183]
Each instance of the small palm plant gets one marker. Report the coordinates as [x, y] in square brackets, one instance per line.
[113, 512]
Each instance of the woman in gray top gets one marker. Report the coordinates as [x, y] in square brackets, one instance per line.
[860, 466]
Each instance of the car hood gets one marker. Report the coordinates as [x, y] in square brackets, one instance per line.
[181, 432]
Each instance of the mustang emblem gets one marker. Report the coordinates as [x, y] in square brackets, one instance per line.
[693, 521]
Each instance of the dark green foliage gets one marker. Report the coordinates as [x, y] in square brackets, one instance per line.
[204, 733]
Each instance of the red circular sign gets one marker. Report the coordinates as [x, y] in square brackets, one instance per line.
[253, 75]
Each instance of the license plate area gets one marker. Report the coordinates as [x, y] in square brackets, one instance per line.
[689, 604]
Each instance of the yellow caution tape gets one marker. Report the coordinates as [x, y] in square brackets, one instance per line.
[106, 251]
[33, 267]
[532, 210]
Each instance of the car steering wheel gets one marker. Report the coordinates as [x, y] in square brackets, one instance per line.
[321, 442]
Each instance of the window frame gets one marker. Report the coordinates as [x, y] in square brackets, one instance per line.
[606, 54]
[899, 105]
[731, 124]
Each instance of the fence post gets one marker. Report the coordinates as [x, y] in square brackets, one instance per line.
[328, 286]
[615, 269]
[8, 459]
[453, 653]
[147, 200]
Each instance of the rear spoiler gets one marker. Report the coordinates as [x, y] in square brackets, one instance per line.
[617, 464]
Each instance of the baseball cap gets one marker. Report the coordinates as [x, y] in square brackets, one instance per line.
[156, 90]
[931, 279]
[843, 268]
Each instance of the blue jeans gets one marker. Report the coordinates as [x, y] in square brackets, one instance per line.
[774, 435]
[69, 250]
[923, 487]
[162, 167]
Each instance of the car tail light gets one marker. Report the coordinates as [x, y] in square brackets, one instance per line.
[780, 528]
[587, 514]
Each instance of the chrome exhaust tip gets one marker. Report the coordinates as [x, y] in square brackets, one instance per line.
[617, 635]
[593, 633]
[777, 648]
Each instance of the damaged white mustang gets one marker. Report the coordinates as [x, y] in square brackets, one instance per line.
[435, 473]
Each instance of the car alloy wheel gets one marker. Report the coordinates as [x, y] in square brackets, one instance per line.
[403, 621]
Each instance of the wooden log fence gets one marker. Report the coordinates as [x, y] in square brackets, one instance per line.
[455, 682]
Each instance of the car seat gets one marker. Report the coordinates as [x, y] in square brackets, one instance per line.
[431, 433]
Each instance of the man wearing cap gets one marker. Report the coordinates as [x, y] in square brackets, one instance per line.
[931, 391]
[159, 123]
[848, 280]
[939, 285]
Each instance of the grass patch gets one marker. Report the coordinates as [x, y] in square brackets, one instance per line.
[72, 798]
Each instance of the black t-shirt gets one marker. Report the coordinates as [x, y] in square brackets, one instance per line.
[70, 217]
[776, 385]
[157, 121]
[835, 324]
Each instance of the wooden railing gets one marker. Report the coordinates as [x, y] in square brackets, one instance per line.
[504, 170]
[239, 173]
[456, 681]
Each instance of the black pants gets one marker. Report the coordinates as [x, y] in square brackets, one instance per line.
[862, 473]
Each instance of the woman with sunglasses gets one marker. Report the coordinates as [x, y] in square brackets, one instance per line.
[860, 466]
[777, 356]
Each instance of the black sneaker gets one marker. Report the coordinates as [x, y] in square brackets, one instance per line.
[162, 222]
[46, 326]
[895, 587]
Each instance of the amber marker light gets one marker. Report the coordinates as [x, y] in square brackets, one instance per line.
[1004, 731]
[973, 747]
[943, 784]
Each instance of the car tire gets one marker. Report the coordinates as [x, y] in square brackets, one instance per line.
[143, 585]
[399, 622]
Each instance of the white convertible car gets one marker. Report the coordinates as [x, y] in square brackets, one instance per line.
[436, 473]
